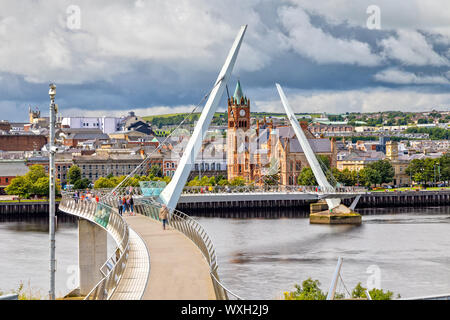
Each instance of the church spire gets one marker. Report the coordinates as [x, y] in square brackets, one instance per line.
[238, 92]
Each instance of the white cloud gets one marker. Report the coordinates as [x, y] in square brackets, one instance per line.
[369, 100]
[321, 47]
[401, 77]
[411, 48]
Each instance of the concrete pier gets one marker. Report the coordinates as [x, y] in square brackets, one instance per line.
[339, 215]
[92, 254]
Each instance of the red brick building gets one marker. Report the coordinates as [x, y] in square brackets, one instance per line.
[24, 142]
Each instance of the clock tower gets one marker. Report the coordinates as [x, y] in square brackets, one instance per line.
[238, 157]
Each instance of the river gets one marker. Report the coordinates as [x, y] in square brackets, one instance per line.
[405, 249]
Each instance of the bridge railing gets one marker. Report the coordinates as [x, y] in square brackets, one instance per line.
[104, 215]
[262, 189]
[198, 235]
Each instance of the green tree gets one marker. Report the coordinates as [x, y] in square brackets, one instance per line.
[308, 291]
[375, 294]
[237, 182]
[74, 174]
[306, 177]
[104, 183]
[156, 171]
[369, 177]
[20, 186]
[81, 184]
[41, 187]
[444, 167]
[385, 169]
[35, 172]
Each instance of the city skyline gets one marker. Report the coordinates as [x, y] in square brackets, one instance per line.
[108, 58]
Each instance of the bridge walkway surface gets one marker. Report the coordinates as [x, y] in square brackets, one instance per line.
[178, 270]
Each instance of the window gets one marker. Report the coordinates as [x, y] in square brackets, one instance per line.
[298, 165]
[173, 164]
[218, 167]
[167, 165]
[6, 179]
[206, 166]
[213, 166]
[196, 166]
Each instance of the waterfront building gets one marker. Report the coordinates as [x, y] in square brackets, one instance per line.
[291, 157]
[267, 149]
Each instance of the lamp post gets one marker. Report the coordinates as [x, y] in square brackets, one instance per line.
[52, 94]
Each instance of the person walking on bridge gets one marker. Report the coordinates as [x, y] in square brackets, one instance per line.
[131, 205]
[119, 205]
[163, 215]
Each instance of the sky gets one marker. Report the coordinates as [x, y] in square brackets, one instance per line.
[108, 57]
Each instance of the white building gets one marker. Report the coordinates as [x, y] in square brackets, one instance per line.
[106, 124]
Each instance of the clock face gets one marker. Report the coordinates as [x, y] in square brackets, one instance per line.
[242, 113]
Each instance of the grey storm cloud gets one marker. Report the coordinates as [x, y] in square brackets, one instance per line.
[156, 56]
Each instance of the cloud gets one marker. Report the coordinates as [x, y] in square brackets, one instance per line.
[153, 55]
[411, 48]
[400, 77]
[321, 47]
[370, 100]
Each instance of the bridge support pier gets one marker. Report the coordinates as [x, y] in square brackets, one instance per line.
[92, 254]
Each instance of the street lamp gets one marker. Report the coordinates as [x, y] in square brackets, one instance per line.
[53, 109]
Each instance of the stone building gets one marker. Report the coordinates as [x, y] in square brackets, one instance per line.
[253, 153]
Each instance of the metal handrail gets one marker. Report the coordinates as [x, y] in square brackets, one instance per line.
[198, 235]
[204, 190]
[115, 265]
[262, 189]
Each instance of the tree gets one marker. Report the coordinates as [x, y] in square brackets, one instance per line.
[444, 167]
[82, 184]
[155, 171]
[422, 170]
[74, 174]
[375, 294]
[35, 172]
[306, 178]
[369, 176]
[41, 187]
[385, 169]
[272, 179]
[20, 186]
[308, 291]
[104, 183]
[237, 182]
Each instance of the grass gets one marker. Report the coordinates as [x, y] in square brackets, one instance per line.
[411, 189]
[28, 293]
[27, 200]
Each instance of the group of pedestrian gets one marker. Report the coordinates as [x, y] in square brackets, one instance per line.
[85, 196]
[126, 205]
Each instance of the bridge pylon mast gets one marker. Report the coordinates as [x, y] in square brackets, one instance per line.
[309, 153]
[171, 194]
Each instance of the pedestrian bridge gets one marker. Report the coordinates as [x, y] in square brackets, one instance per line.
[147, 263]
[261, 193]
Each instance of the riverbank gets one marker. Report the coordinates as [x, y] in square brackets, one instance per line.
[273, 209]
[268, 209]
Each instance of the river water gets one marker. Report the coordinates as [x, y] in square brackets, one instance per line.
[405, 249]
[24, 254]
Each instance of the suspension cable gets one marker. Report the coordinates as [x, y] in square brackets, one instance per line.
[148, 157]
